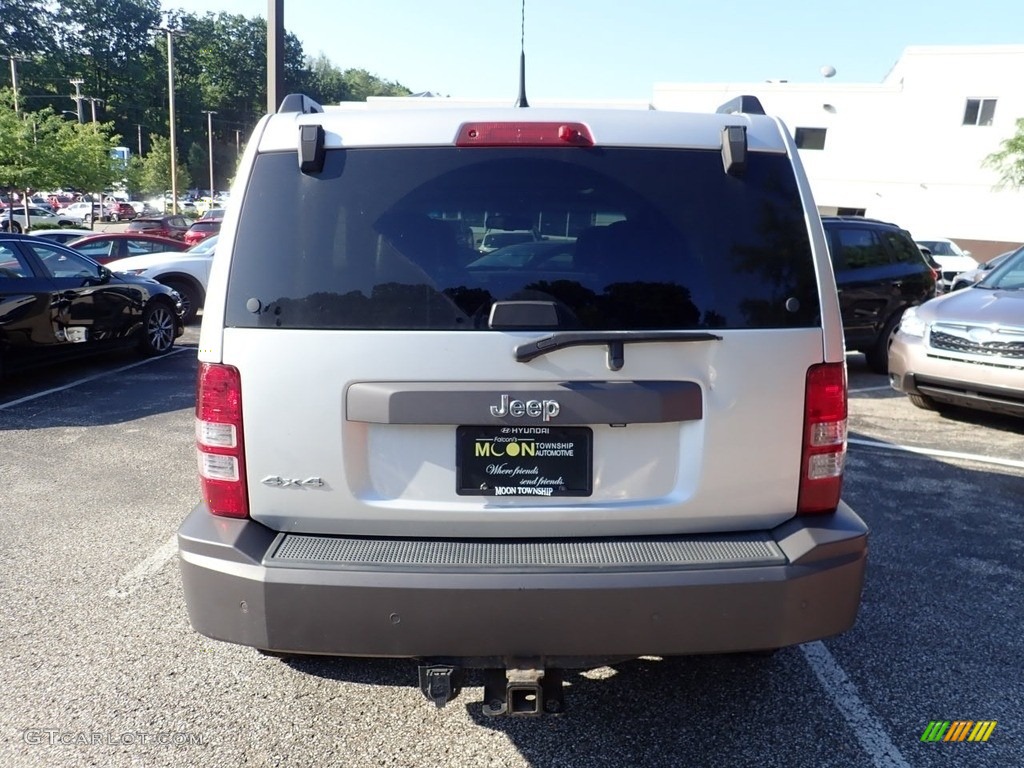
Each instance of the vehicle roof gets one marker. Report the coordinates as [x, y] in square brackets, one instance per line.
[125, 236]
[439, 127]
[862, 220]
[7, 237]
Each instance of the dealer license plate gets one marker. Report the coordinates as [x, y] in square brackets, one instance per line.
[523, 461]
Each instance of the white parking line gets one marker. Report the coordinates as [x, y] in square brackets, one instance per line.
[865, 727]
[95, 376]
[1014, 463]
[151, 565]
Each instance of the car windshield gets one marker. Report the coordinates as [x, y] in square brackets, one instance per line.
[659, 239]
[1007, 276]
[941, 247]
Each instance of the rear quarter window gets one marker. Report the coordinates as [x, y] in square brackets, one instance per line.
[620, 238]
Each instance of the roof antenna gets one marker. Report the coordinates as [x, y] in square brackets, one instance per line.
[521, 101]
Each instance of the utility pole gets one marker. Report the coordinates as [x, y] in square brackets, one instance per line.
[209, 131]
[171, 33]
[77, 82]
[92, 100]
[14, 81]
[275, 54]
[139, 127]
[238, 139]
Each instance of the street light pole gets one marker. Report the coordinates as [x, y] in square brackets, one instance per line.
[209, 131]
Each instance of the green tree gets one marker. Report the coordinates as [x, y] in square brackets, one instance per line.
[1009, 161]
[113, 47]
[25, 27]
[84, 160]
[154, 176]
[40, 150]
[17, 156]
[198, 164]
[325, 82]
[133, 177]
[361, 84]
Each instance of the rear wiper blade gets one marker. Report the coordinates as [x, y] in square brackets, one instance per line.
[615, 340]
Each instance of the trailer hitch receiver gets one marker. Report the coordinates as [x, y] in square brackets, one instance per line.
[522, 691]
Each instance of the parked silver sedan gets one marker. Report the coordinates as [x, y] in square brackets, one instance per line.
[966, 348]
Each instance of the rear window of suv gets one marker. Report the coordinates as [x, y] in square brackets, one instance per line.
[650, 239]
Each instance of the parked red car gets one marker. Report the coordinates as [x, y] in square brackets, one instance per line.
[202, 229]
[163, 226]
[109, 246]
[120, 212]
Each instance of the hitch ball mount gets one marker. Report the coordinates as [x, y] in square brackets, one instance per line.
[517, 691]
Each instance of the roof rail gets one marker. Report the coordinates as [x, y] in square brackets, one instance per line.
[746, 104]
[299, 102]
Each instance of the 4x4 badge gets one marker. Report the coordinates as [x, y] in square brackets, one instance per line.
[284, 482]
[545, 409]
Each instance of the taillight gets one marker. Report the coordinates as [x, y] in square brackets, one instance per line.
[219, 443]
[824, 449]
[524, 134]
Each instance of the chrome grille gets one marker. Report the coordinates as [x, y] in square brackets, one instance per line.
[952, 343]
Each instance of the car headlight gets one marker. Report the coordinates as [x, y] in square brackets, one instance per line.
[136, 272]
[911, 324]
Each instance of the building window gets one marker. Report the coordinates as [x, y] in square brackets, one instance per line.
[979, 111]
[810, 138]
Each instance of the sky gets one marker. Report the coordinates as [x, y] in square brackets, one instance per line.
[599, 49]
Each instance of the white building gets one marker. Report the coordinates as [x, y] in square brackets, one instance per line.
[909, 150]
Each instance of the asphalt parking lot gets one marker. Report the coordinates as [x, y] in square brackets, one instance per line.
[97, 469]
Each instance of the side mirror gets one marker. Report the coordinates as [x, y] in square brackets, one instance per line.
[967, 253]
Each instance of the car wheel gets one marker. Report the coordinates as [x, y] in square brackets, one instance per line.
[878, 355]
[158, 326]
[87, 219]
[15, 227]
[924, 402]
[115, 217]
[190, 299]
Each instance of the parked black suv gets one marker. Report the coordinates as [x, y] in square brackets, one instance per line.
[880, 272]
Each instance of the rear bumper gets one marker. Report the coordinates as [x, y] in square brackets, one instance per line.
[238, 590]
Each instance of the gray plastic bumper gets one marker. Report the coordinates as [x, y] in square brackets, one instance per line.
[799, 582]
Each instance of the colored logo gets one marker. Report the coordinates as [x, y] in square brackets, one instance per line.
[958, 730]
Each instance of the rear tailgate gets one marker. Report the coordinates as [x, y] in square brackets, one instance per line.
[402, 478]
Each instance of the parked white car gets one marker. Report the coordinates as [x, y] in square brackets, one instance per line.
[81, 212]
[952, 260]
[187, 272]
[964, 349]
[13, 219]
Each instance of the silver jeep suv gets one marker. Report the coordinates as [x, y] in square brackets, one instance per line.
[521, 465]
